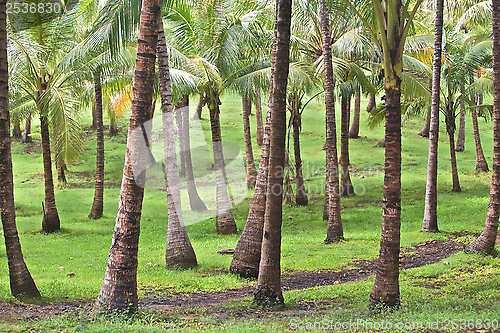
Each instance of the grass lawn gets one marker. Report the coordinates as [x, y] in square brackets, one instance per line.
[463, 292]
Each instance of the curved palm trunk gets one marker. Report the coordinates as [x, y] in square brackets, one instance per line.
[224, 220]
[250, 164]
[268, 290]
[334, 230]
[119, 290]
[354, 131]
[486, 241]
[424, 132]
[300, 195]
[371, 103]
[97, 205]
[179, 252]
[346, 188]
[429, 223]
[199, 107]
[26, 137]
[259, 136]
[21, 282]
[195, 201]
[481, 164]
[50, 221]
[450, 129]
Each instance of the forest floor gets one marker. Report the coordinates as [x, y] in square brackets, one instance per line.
[419, 255]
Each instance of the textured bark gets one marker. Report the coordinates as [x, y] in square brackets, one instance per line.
[450, 129]
[371, 103]
[335, 230]
[250, 163]
[16, 131]
[199, 107]
[94, 114]
[21, 282]
[481, 164]
[346, 188]
[119, 290]
[179, 252]
[26, 137]
[50, 221]
[98, 204]
[354, 131]
[429, 223]
[195, 201]
[268, 290]
[486, 241]
[460, 147]
[178, 121]
[300, 195]
[259, 136]
[224, 220]
[424, 132]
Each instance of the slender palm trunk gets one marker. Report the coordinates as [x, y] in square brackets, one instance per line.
[486, 241]
[461, 130]
[21, 282]
[371, 103]
[179, 252]
[346, 188]
[98, 204]
[250, 163]
[224, 220]
[112, 128]
[424, 132]
[429, 223]
[450, 129]
[195, 201]
[300, 195]
[481, 164]
[16, 131]
[268, 290]
[50, 221]
[354, 131]
[180, 134]
[61, 171]
[258, 117]
[119, 290]
[26, 137]
[335, 230]
[199, 107]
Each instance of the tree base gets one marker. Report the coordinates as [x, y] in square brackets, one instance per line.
[244, 270]
[336, 239]
[377, 305]
[225, 224]
[265, 296]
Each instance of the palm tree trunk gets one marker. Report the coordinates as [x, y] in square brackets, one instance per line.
[486, 241]
[268, 290]
[450, 129]
[354, 131]
[94, 115]
[346, 188]
[429, 223]
[21, 282]
[250, 163]
[16, 131]
[180, 134]
[179, 252]
[300, 195]
[199, 107]
[371, 103]
[26, 137]
[119, 290]
[98, 204]
[61, 171]
[195, 201]
[258, 117]
[50, 222]
[332, 195]
[424, 132]
[481, 164]
[461, 130]
[112, 128]
[224, 220]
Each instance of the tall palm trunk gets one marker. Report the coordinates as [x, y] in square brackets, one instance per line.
[199, 107]
[179, 252]
[224, 220]
[424, 132]
[460, 147]
[481, 164]
[50, 221]
[119, 290]
[21, 282]
[268, 290]
[450, 129]
[250, 163]
[429, 223]
[258, 117]
[26, 137]
[16, 131]
[300, 195]
[332, 196]
[354, 131]
[346, 188]
[97, 205]
[178, 121]
[486, 241]
[195, 201]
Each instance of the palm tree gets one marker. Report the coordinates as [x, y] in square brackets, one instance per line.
[268, 290]
[486, 241]
[119, 290]
[430, 212]
[250, 163]
[354, 131]
[21, 282]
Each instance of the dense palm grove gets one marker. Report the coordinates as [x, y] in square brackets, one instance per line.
[407, 58]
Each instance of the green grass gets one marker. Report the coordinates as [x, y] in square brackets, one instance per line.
[467, 288]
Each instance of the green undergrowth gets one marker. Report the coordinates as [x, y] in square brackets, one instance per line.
[70, 264]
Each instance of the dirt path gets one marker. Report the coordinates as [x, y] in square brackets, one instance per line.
[420, 255]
